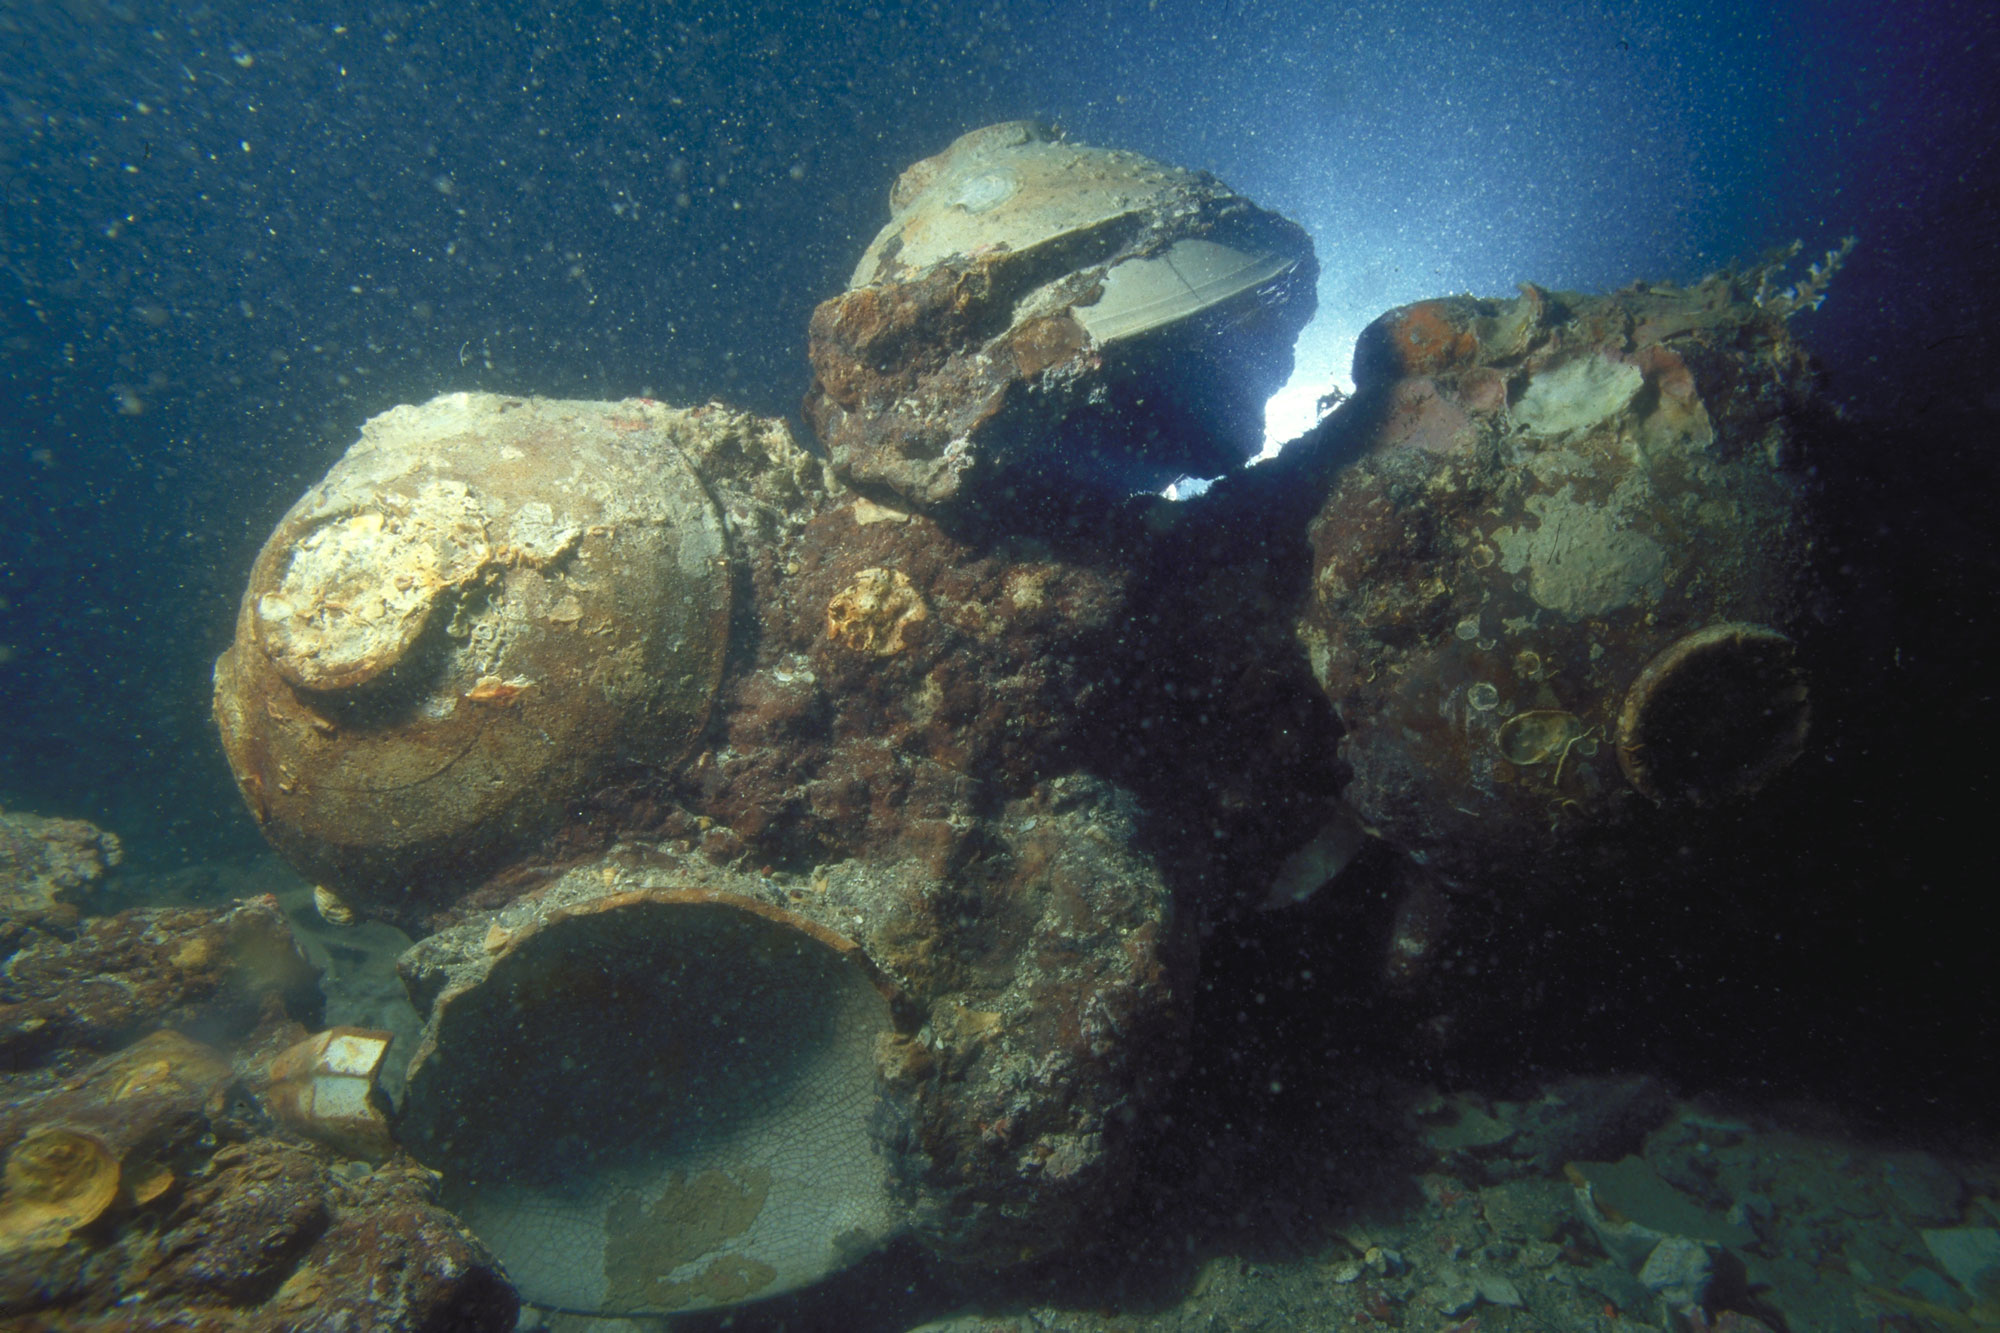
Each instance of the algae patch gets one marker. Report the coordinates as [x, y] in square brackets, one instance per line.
[1578, 396]
[692, 1219]
[1582, 559]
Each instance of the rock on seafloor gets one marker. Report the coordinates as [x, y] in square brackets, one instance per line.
[48, 868]
[1561, 587]
[1040, 317]
[222, 975]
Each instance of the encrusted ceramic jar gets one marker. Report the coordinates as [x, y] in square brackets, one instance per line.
[487, 605]
[1040, 317]
[1557, 594]
[659, 1085]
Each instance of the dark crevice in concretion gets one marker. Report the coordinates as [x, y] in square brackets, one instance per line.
[1211, 713]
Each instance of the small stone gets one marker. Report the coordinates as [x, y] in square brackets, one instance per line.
[1971, 1255]
[1679, 1270]
[1870, 1261]
[1752, 1212]
[1463, 1126]
[1529, 1210]
[1626, 1241]
[1733, 1321]
[1614, 1283]
[1347, 1271]
[866, 512]
[1384, 1262]
[1455, 1295]
[1497, 1290]
[1584, 1118]
[1632, 1190]
[1714, 1132]
[1540, 1254]
[1927, 1285]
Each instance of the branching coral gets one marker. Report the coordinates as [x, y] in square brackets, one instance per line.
[1808, 292]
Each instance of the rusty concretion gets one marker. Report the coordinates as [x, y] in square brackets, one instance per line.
[973, 725]
[1039, 316]
[95, 1152]
[58, 1181]
[1556, 594]
[659, 1085]
[902, 679]
[230, 973]
[48, 868]
[977, 725]
[255, 1235]
[486, 604]
[142, 1189]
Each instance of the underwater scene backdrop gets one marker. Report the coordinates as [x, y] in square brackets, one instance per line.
[998, 666]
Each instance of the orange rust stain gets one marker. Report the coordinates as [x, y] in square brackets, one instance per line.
[1427, 339]
[1668, 372]
[1042, 343]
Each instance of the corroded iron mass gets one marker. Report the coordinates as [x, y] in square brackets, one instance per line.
[659, 1084]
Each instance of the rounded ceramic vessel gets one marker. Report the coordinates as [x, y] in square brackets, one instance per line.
[1555, 597]
[487, 604]
[1041, 316]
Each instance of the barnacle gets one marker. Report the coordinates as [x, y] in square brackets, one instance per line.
[1538, 736]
